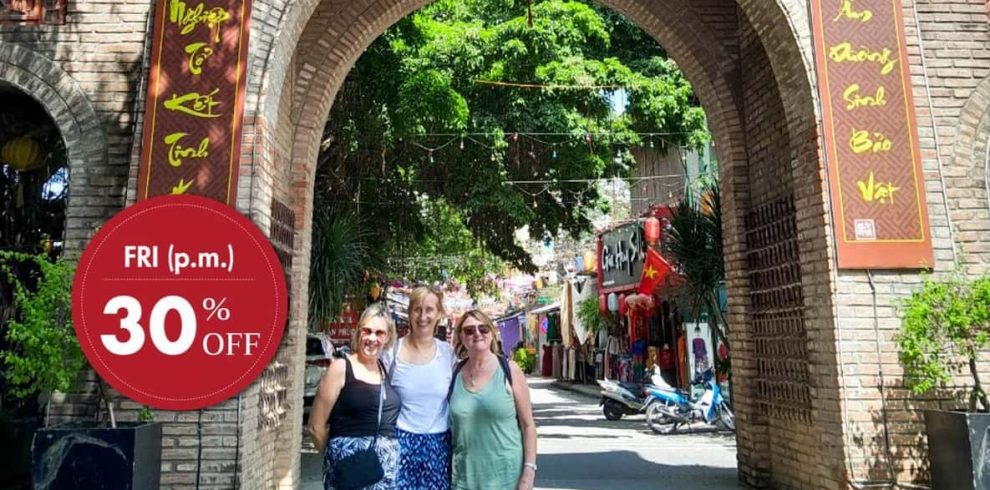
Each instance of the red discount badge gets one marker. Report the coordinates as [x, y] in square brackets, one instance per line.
[179, 302]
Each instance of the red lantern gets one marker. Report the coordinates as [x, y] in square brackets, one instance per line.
[602, 304]
[623, 307]
[652, 229]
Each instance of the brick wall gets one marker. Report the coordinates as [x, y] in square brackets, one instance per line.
[953, 38]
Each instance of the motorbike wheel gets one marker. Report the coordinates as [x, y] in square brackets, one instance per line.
[657, 420]
[612, 410]
[726, 418]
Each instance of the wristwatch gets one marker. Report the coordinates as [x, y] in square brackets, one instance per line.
[531, 465]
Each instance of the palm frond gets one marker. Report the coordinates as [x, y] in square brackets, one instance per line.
[342, 252]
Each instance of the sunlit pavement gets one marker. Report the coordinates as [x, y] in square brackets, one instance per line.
[580, 450]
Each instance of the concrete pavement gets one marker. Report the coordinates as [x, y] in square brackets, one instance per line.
[580, 450]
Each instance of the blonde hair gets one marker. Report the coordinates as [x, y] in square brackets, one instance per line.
[479, 315]
[376, 310]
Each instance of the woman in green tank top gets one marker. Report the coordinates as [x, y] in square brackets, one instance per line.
[492, 428]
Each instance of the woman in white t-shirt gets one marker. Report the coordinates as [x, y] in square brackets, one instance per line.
[421, 367]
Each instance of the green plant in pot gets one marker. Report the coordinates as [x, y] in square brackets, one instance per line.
[42, 358]
[43, 355]
[946, 326]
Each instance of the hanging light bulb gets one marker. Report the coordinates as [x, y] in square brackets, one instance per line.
[651, 141]
[462, 143]
[431, 156]
[554, 155]
[493, 156]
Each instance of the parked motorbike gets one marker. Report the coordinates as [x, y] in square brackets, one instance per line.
[619, 399]
[668, 408]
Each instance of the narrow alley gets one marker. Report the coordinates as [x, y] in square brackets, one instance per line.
[580, 450]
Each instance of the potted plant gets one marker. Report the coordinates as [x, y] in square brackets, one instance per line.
[43, 357]
[945, 327]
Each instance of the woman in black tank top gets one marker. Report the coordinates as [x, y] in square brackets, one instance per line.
[348, 398]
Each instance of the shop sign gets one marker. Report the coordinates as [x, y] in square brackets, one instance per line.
[195, 102]
[871, 135]
[621, 253]
[341, 330]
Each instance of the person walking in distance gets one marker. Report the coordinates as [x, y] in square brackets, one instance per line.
[493, 432]
[362, 408]
[420, 368]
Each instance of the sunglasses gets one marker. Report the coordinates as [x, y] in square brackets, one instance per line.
[469, 330]
[377, 333]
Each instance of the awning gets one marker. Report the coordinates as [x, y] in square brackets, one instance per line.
[545, 309]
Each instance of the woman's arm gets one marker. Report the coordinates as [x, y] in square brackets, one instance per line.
[524, 412]
[326, 396]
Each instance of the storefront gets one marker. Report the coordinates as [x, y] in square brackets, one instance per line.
[646, 330]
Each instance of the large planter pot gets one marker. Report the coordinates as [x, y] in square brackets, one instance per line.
[15, 451]
[74, 457]
[958, 449]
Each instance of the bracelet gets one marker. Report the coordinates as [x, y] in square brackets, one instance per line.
[530, 465]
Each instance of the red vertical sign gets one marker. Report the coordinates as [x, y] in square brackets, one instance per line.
[871, 138]
[195, 105]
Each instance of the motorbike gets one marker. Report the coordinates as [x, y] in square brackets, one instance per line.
[668, 408]
[619, 399]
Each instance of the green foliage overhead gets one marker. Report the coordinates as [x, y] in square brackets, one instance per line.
[42, 354]
[945, 326]
[447, 78]
[448, 251]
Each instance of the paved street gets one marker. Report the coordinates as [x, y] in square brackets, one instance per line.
[580, 450]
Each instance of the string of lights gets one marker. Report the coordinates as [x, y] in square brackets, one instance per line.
[543, 181]
[552, 86]
[542, 138]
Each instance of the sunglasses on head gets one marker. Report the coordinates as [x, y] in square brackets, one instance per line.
[470, 329]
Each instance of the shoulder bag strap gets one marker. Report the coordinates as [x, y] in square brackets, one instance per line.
[395, 359]
[381, 401]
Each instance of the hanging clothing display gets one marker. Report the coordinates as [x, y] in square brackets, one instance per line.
[546, 366]
[571, 373]
[509, 331]
[566, 314]
[553, 327]
[682, 361]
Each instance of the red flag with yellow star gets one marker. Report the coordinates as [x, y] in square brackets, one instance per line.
[655, 270]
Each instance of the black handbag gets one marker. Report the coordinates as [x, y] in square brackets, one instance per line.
[363, 468]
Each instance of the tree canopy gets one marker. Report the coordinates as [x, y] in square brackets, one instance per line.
[473, 118]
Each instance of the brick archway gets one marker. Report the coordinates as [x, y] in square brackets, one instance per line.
[74, 115]
[967, 179]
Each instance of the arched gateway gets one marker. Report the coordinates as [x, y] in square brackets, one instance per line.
[805, 370]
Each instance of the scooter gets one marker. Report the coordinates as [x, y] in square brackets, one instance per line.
[667, 408]
[619, 399]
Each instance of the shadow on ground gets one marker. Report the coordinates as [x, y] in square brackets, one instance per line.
[626, 469]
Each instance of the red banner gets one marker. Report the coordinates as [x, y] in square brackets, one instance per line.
[871, 138]
[195, 105]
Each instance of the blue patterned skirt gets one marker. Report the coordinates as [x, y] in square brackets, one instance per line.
[342, 447]
[424, 461]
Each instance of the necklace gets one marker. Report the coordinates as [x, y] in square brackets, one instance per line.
[473, 376]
